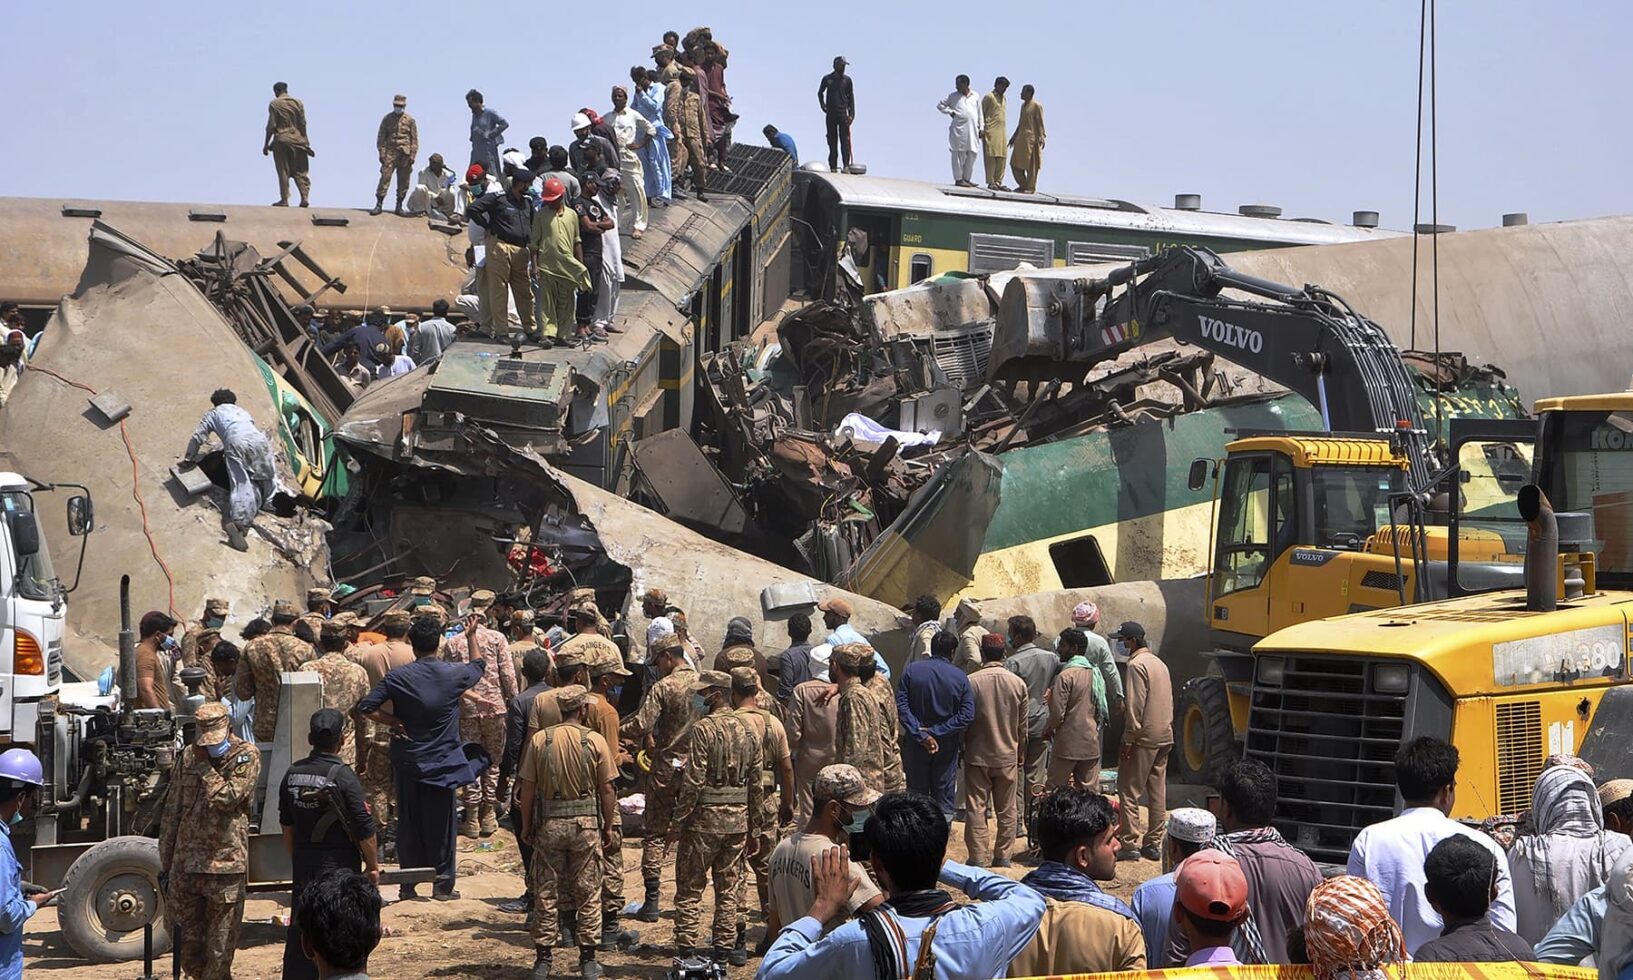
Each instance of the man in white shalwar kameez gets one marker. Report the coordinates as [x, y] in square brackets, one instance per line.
[252, 473]
[964, 132]
[612, 255]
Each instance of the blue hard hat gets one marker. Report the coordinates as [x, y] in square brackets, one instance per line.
[21, 766]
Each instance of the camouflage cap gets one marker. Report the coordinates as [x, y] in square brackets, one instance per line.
[745, 679]
[852, 655]
[319, 595]
[843, 783]
[332, 629]
[572, 697]
[422, 585]
[606, 665]
[711, 679]
[217, 606]
[521, 617]
[432, 610]
[396, 617]
[665, 644]
[283, 607]
[212, 721]
[347, 618]
[738, 656]
[571, 657]
[482, 599]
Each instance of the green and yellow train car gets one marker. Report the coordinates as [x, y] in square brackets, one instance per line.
[915, 230]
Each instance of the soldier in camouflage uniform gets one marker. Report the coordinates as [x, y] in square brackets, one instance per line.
[319, 604]
[378, 660]
[717, 812]
[565, 806]
[204, 844]
[215, 616]
[776, 781]
[861, 739]
[263, 659]
[344, 683]
[665, 720]
[604, 678]
[731, 658]
[889, 720]
[482, 715]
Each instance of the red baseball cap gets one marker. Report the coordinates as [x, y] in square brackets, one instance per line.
[1210, 885]
[553, 189]
[474, 174]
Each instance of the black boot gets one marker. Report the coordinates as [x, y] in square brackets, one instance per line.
[648, 912]
[588, 968]
[399, 209]
[541, 964]
[569, 928]
[379, 205]
[615, 937]
[739, 953]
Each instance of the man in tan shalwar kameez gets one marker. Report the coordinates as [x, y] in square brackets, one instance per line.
[993, 128]
[1026, 146]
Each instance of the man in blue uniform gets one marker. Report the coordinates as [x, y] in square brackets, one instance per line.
[419, 704]
[782, 141]
[20, 780]
[935, 704]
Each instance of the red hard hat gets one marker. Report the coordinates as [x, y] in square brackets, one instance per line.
[553, 189]
[474, 174]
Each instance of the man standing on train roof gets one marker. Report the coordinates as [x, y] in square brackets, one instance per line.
[964, 131]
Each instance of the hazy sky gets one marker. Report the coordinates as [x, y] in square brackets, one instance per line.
[1307, 104]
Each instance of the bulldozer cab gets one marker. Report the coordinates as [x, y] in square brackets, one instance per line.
[1295, 513]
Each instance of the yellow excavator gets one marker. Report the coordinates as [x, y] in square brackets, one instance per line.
[1309, 525]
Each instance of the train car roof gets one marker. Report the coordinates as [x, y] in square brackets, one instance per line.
[683, 243]
[861, 191]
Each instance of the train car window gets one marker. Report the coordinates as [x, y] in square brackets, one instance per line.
[920, 268]
[1080, 563]
[1088, 253]
[1000, 253]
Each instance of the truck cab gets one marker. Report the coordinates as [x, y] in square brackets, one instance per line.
[33, 606]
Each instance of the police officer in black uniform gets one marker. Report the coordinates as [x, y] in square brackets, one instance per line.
[325, 823]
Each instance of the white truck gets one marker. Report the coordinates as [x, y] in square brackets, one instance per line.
[33, 604]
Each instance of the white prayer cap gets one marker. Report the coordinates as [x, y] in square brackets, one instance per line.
[820, 655]
[1193, 825]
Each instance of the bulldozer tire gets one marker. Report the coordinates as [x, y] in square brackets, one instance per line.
[1205, 741]
[108, 895]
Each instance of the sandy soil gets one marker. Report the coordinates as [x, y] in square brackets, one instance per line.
[465, 938]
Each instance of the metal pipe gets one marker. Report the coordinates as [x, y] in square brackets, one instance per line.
[1541, 549]
[127, 650]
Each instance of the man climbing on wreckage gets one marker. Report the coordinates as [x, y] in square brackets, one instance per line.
[251, 473]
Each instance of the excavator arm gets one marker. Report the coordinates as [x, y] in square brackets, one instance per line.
[1306, 339]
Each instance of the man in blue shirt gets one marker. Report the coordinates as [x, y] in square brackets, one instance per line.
[935, 704]
[20, 780]
[836, 615]
[783, 142]
[907, 838]
[1190, 829]
[428, 760]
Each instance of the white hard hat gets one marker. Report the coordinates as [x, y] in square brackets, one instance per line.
[580, 121]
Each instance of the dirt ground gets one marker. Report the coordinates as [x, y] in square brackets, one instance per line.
[469, 937]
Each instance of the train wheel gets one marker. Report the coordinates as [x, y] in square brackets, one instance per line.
[108, 895]
[1206, 741]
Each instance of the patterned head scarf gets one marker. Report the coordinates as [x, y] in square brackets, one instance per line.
[1348, 929]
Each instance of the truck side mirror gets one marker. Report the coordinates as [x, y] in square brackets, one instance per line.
[1198, 477]
[25, 534]
[80, 516]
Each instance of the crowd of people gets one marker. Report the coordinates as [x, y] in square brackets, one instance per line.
[829, 783]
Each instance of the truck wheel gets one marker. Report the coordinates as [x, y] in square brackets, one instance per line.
[108, 895]
[1205, 741]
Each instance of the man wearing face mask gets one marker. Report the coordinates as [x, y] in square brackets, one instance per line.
[718, 804]
[204, 843]
[155, 653]
[215, 617]
[398, 141]
[843, 802]
[21, 777]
